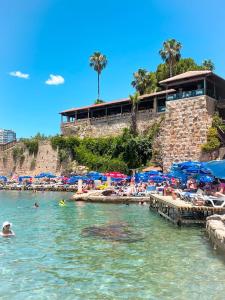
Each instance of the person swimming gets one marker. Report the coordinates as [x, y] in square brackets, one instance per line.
[36, 205]
[62, 202]
[6, 229]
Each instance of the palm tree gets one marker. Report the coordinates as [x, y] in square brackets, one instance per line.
[208, 64]
[98, 62]
[134, 109]
[144, 82]
[98, 101]
[171, 53]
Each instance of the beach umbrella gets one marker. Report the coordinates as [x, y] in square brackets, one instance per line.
[156, 178]
[206, 179]
[217, 168]
[3, 178]
[189, 164]
[154, 172]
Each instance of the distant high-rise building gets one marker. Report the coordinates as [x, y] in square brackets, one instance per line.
[7, 136]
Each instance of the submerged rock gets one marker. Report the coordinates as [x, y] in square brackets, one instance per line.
[118, 232]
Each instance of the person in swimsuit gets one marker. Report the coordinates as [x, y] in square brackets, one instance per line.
[6, 229]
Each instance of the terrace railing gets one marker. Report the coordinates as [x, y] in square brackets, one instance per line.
[6, 146]
[183, 95]
[107, 118]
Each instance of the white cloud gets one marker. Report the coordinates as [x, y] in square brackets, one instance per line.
[19, 74]
[55, 80]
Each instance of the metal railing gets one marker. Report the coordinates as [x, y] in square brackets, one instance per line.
[187, 94]
[111, 117]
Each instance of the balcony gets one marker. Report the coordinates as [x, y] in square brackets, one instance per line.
[187, 94]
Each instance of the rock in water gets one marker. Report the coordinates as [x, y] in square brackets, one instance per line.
[118, 232]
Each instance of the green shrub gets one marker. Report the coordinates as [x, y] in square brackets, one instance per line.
[213, 142]
[31, 145]
[218, 122]
[120, 153]
[17, 153]
[32, 164]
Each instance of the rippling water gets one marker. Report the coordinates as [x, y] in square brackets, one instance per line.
[50, 259]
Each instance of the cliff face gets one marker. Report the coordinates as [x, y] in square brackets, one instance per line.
[46, 160]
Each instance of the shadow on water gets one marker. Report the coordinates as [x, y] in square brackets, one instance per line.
[117, 232]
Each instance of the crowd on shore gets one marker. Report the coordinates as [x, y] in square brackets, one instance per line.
[189, 181]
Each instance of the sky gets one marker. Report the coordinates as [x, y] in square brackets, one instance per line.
[46, 45]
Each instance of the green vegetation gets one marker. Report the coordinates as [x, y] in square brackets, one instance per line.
[32, 164]
[146, 82]
[98, 62]
[170, 53]
[99, 101]
[32, 143]
[213, 142]
[134, 109]
[121, 153]
[18, 154]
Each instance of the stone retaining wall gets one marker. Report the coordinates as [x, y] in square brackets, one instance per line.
[185, 128]
[46, 160]
[182, 133]
[109, 126]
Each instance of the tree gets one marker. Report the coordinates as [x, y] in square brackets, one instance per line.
[98, 101]
[144, 82]
[134, 108]
[183, 65]
[98, 62]
[171, 53]
[208, 64]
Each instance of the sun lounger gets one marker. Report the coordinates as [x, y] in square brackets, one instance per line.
[150, 190]
[214, 201]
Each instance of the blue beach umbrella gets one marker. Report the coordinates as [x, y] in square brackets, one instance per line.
[3, 178]
[156, 178]
[217, 168]
[206, 179]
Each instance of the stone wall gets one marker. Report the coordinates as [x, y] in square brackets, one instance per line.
[185, 128]
[46, 160]
[183, 131]
[109, 126]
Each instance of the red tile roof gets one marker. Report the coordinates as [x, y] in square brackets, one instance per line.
[116, 101]
[185, 75]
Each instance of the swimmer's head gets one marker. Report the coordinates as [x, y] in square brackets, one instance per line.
[6, 224]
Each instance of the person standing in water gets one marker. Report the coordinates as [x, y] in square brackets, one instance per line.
[6, 229]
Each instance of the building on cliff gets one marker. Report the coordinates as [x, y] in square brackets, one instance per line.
[7, 136]
[188, 101]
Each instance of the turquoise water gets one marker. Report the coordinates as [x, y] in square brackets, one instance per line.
[50, 259]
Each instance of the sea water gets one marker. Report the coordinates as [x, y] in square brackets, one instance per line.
[49, 258]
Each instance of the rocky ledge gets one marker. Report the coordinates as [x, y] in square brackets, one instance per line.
[215, 227]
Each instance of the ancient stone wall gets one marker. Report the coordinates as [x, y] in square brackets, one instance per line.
[46, 160]
[185, 128]
[111, 125]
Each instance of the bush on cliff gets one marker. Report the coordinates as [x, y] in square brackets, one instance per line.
[213, 142]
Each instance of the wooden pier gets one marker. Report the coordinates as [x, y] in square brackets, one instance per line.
[180, 212]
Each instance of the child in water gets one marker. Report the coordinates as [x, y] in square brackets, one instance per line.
[6, 229]
[62, 202]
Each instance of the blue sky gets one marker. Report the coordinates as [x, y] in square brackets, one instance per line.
[43, 37]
